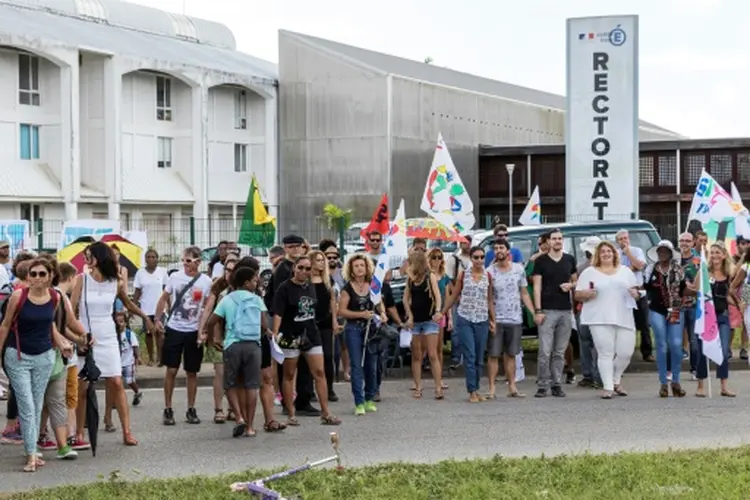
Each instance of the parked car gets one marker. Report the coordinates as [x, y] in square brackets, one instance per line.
[642, 234]
[259, 253]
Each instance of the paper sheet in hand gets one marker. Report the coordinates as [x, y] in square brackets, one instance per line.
[276, 353]
[404, 338]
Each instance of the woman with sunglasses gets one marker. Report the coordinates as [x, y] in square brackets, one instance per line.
[325, 310]
[30, 356]
[445, 284]
[297, 334]
[219, 290]
[475, 318]
[94, 297]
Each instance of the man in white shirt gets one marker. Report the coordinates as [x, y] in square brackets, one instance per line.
[187, 291]
[635, 259]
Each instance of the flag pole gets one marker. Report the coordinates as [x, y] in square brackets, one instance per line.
[708, 376]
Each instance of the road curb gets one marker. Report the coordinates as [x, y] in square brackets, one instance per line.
[206, 376]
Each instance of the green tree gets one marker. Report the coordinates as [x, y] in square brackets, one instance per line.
[336, 217]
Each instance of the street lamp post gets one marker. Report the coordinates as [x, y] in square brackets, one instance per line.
[510, 167]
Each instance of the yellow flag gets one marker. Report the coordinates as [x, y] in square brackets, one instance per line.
[260, 215]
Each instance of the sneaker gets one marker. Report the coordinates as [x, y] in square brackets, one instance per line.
[541, 393]
[277, 400]
[192, 416]
[570, 377]
[168, 418]
[370, 407]
[586, 382]
[558, 392]
[78, 444]
[685, 354]
[359, 410]
[743, 353]
[137, 398]
[693, 376]
[46, 444]
[66, 453]
[11, 436]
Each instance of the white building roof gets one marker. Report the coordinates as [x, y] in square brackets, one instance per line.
[112, 26]
[418, 70]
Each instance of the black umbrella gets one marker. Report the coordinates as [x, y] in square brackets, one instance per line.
[91, 373]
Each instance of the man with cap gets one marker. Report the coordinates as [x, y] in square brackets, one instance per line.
[589, 368]
[283, 271]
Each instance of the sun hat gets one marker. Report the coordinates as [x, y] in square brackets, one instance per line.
[589, 244]
[653, 252]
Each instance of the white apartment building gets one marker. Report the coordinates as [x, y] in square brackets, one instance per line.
[119, 111]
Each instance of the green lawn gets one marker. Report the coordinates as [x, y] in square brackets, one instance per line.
[701, 474]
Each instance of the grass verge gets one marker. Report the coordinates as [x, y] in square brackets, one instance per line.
[700, 474]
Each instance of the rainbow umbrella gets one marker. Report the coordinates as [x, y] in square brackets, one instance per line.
[430, 229]
[130, 253]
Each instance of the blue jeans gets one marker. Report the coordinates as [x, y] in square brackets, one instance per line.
[364, 372]
[29, 377]
[725, 331]
[589, 367]
[473, 338]
[455, 340]
[667, 335]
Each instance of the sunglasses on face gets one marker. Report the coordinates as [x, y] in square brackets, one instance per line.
[304, 268]
[189, 261]
[436, 257]
[375, 240]
[332, 257]
[38, 274]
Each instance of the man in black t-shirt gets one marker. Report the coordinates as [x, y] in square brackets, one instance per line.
[283, 271]
[554, 279]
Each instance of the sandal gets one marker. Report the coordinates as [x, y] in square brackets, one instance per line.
[728, 394]
[417, 394]
[620, 391]
[219, 417]
[109, 428]
[700, 394]
[30, 467]
[274, 426]
[516, 394]
[330, 420]
[490, 395]
[239, 429]
[606, 395]
[129, 440]
[439, 395]
[292, 422]
[251, 433]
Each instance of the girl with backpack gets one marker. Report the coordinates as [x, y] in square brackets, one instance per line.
[30, 357]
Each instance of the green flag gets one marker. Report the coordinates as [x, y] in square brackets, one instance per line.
[258, 228]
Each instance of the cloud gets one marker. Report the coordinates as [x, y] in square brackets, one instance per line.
[696, 61]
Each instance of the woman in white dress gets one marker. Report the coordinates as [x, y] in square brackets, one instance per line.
[94, 296]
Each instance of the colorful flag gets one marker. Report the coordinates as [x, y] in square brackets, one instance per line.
[706, 325]
[393, 244]
[742, 221]
[445, 197]
[532, 214]
[712, 202]
[379, 223]
[258, 228]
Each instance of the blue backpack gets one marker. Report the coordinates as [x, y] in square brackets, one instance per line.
[246, 324]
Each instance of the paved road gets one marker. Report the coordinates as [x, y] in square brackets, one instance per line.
[579, 423]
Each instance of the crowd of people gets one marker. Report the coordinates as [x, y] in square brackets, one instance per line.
[282, 341]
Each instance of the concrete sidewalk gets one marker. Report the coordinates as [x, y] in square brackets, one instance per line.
[150, 377]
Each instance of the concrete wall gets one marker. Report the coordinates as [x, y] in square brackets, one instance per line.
[333, 135]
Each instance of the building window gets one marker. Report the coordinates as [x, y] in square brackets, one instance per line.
[692, 167]
[240, 110]
[29, 142]
[720, 167]
[743, 167]
[668, 170]
[646, 171]
[163, 98]
[164, 152]
[28, 80]
[240, 157]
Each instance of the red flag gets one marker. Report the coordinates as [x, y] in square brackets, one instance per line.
[380, 221]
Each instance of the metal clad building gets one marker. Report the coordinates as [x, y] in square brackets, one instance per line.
[357, 123]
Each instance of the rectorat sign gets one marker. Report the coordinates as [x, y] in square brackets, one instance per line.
[601, 133]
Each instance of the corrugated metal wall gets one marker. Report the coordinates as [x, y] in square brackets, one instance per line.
[422, 110]
[333, 127]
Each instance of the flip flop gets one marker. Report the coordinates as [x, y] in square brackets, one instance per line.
[239, 429]
[251, 433]
[700, 394]
[516, 394]
[490, 395]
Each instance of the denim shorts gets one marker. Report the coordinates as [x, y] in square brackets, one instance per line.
[425, 328]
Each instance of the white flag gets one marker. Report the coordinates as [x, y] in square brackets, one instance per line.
[445, 197]
[741, 222]
[393, 244]
[532, 214]
[712, 202]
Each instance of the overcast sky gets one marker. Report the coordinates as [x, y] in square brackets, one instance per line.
[694, 66]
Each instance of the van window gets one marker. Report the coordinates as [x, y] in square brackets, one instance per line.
[640, 239]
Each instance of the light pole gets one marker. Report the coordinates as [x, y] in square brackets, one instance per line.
[510, 167]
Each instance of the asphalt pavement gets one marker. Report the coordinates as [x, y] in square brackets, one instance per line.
[405, 429]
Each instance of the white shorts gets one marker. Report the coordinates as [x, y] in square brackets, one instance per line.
[294, 353]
